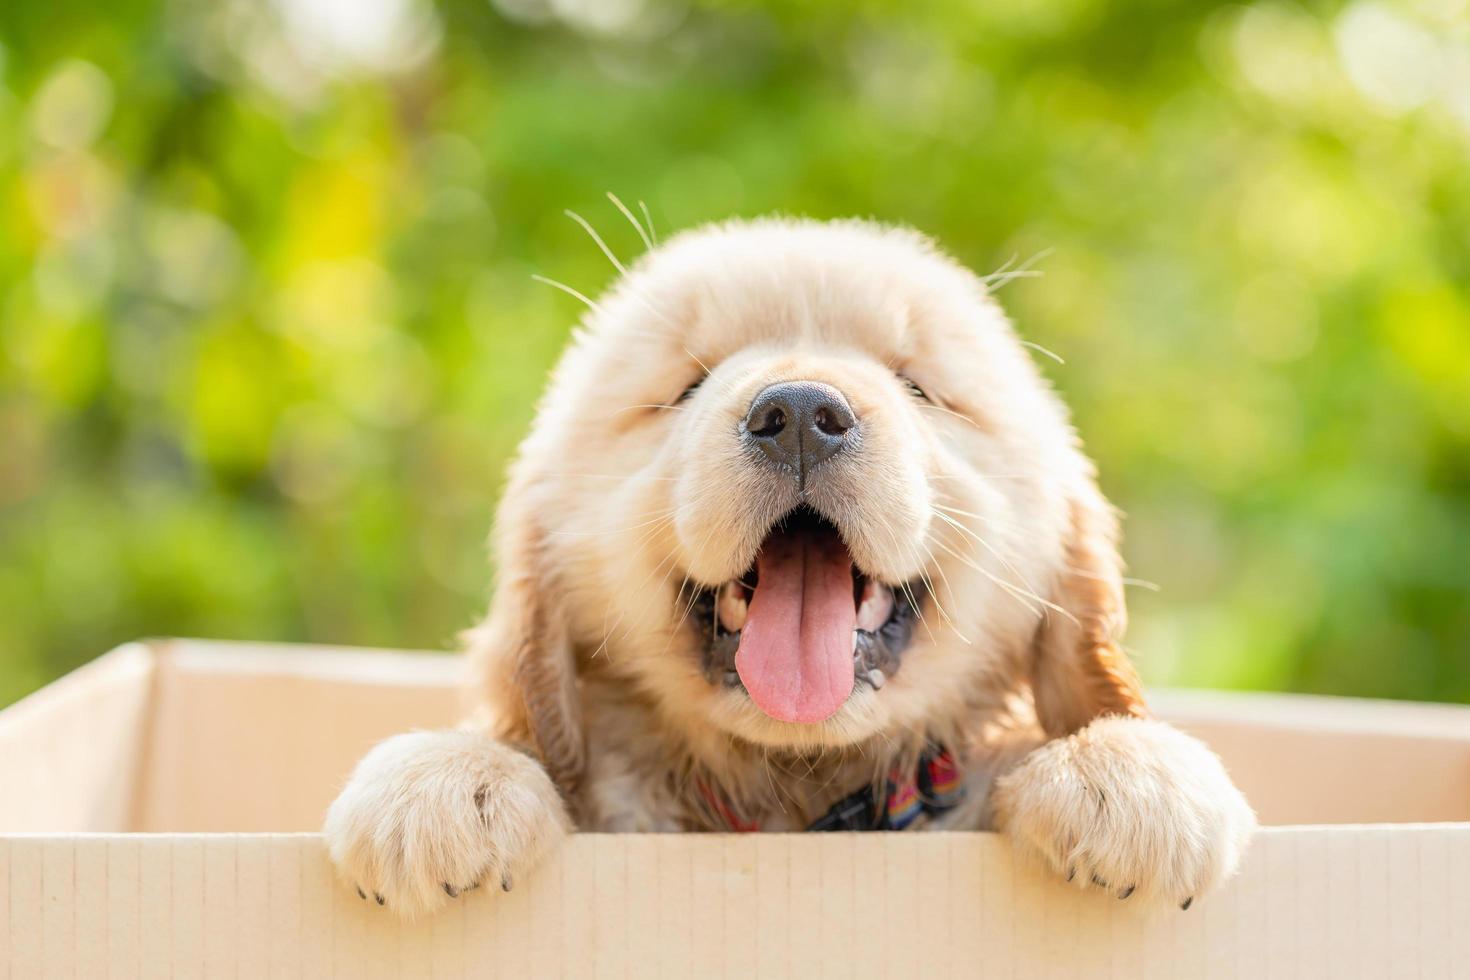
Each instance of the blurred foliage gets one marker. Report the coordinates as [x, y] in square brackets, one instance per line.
[268, 332]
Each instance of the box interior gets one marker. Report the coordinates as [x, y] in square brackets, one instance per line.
[188, 736]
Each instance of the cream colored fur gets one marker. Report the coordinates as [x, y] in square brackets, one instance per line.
[622, 493]
[430, 814]
[1129, 805]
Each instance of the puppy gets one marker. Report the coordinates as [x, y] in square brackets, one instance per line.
[799, 540]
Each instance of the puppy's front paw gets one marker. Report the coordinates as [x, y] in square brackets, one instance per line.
[430, 814]
[1129, 805]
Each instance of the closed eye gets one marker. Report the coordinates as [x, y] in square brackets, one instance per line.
[914, 389]
[688, 392]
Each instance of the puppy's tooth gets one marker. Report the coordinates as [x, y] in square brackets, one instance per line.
[875, 608]
[733, 608]
[877, 678]
[854, 642]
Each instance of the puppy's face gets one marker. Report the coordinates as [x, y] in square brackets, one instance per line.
[799, 483]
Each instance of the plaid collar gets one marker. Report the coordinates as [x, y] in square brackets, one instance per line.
[933, 788]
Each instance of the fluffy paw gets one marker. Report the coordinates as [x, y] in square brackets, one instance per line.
[428, 815]
[1131, 806]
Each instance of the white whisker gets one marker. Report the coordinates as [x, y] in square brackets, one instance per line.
[1018, 593]
[988, 519]
[587, 226]
[1005, 273]
[547, 280]
[725, 385]
[1028, 592]
[629, 408]
[647, 242]
[1002, 269]
[1138, 583]
[934, 594]
[648, 218]
[893, 539]
[996, 281]
[610, 476]
[940, 408]
[1037, 347]
[693, 595]
[988, 547]
[607, 532]
[669, 559]
[985, 476]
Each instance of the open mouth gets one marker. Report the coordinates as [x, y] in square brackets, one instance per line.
[803, 626]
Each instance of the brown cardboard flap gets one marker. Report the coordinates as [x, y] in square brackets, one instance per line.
[72, 756]
[192, 736]
[1311, 902]
[1312, 760]
[260, 737]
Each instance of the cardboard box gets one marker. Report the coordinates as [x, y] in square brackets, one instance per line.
[157, 809]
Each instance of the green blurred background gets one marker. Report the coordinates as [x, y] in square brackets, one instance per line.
[268, 331]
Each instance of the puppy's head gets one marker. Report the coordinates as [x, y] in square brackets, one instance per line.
[799, 483]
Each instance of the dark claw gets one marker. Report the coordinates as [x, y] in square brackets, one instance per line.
[505, 882]
[1184, 905]
[1127, 891]
[1071, 873]
[361, 894]
[379, 899]
[450, 890]
[1099, 882]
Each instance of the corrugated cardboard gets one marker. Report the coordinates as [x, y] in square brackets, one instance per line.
[156, 809]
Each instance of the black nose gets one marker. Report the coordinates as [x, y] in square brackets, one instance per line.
[799, 424]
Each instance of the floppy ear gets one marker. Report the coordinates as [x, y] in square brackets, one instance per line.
[1078, 671]
[527, 676]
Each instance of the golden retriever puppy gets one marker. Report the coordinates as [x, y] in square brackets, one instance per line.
[799, 540]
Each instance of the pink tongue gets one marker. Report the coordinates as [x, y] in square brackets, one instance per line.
[795, 655]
